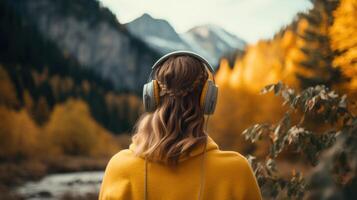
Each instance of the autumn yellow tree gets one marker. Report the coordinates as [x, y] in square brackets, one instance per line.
[7, 89]
[19, 135]
[239, 106]
[72, 131]
[343, 35]
[316, 67]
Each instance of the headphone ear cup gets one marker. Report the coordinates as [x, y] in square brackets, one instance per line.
[151, 96]
[156, 92]
[208, 99]
[203, 94]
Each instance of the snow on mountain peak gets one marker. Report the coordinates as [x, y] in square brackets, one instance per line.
[209, 40]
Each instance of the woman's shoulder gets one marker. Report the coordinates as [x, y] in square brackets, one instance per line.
[230, 160]
[231, 156]
[123, 162]
[123, 154]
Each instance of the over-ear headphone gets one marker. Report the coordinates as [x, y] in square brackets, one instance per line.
[208, 98]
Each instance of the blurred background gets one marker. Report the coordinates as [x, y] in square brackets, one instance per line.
[72, 71]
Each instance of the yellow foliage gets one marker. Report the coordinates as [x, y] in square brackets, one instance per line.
[239, 103]
[343, 35]
[264, 63]
[238, 109]
[55, 83]
[18, 134]
[7, 90]
[42, 110]
[224, 72]
[72, 130]
[28, 102]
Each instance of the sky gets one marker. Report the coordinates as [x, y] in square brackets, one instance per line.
[250, 20]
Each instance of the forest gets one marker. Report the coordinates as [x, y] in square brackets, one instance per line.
[311, 66]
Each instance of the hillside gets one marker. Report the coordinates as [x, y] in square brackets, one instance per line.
[37, 74]
[91, 34]
[54, 111]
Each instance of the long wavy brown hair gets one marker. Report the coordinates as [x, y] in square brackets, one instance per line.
[176, 126]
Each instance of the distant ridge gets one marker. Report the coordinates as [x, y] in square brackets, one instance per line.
[211, 41]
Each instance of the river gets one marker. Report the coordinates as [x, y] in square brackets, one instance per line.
[53, 186]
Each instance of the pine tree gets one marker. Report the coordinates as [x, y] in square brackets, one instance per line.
[42, 111]
[7, 90]
[317, 66]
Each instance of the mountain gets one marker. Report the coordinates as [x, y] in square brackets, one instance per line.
[92, 35]
[157, 33]
[38, 73]
[211, 41]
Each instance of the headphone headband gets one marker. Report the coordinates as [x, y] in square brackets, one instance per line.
[181, 53]
[208, 96]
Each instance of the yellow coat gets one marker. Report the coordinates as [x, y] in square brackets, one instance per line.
[228, 176]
